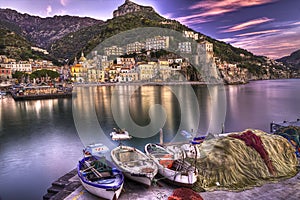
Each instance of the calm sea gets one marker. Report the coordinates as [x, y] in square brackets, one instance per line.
[41, 140]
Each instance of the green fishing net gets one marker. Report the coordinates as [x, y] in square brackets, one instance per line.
[227, 163]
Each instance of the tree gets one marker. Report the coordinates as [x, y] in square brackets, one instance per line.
[18, 75]
[45, 73]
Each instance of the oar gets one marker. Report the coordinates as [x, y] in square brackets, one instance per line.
[98, 174]
[88, 168]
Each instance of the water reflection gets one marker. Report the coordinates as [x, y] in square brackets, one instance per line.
[39, 142]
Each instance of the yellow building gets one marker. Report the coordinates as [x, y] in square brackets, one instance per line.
[79, 70]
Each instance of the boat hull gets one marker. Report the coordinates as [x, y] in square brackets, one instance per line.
[109, 186]
[186, 175]
[141, 179]
[177, 178]
[101, 192]
[141, 170]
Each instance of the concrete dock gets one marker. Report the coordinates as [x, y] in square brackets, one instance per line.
[68, 187]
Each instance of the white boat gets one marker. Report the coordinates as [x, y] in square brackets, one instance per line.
[120, 134]
[175, 170]
[191, 151]
[99, 176]
[134, 164]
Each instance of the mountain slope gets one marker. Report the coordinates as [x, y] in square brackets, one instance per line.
[43, 31]
[88, 38]
[292, 60]
[15, 46]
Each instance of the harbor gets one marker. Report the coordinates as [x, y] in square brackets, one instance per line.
[50, 124]
[68, 187]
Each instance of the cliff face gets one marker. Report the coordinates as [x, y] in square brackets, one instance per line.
[43, 31]
[130, 7]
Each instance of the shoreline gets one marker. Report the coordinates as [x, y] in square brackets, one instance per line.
[146, 83]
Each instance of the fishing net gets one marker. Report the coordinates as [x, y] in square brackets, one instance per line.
[184, 194]
[228, 163]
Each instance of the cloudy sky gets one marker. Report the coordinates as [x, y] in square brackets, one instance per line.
[264, 27]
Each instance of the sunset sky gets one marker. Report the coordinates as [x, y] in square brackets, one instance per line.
[264, 27]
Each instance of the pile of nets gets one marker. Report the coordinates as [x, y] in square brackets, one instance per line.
[231, 163]
[184, 194]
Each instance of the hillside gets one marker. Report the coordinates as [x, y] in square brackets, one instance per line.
[292, 60]
[88, 38]
[15, 46]
[43, 32]
[66, 36]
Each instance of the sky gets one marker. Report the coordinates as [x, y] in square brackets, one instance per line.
[264, 27]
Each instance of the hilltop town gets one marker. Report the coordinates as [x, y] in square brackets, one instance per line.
[156, 58]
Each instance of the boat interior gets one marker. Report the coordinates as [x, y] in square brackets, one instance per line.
[95, 169]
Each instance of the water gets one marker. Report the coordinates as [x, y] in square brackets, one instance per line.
[39, 140]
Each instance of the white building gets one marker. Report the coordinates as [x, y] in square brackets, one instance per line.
[185, 47]
[128, 62]
[40, 50]
[135, 47]
[113, 51]
[191, 34]
[20, 66]
[147, 71]
[158, 42]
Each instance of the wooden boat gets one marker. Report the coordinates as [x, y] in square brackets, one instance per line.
[99, 176]
[134, 164]
[175, 170]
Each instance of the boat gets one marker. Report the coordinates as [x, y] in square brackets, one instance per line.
[98, 175]
[40, 92]
[191, 151]
[120, 134]
[134, 164]
[174, 169]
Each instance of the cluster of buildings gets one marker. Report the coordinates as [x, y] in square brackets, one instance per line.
[116, 66]
[153, 43]
[9, 66]
[124, 69]
[121, 68]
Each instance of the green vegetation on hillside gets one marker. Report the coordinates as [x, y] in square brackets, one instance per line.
[15, 46]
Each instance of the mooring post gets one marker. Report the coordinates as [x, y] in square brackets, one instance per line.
[161, 137]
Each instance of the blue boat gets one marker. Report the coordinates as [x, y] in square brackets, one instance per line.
[99, 176]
